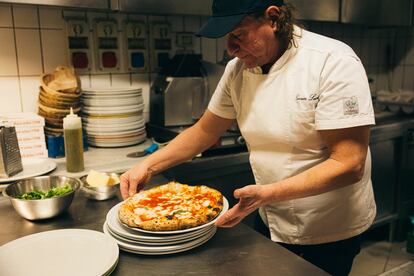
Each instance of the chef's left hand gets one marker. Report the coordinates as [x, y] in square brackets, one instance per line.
[250, 198]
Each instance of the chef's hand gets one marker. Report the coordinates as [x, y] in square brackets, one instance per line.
[134, 180]
[250, 198]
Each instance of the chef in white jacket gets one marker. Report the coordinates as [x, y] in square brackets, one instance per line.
[303, 105]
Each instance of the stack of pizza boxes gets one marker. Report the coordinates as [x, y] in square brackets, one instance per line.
[30, 133]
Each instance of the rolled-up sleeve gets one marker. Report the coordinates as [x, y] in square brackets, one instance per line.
[221, 103]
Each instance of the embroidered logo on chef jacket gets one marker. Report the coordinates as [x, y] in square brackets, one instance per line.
[351, 106]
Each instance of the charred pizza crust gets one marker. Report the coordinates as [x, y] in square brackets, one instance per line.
[172, 206]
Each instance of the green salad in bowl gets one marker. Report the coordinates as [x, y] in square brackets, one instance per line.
[53, 192]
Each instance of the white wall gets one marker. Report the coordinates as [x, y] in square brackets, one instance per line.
[33, 42]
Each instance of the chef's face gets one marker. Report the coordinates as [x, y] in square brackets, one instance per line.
[254, 42]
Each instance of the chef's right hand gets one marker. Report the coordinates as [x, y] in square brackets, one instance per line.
[134, 180]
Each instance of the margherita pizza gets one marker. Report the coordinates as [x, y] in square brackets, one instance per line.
[172, 206]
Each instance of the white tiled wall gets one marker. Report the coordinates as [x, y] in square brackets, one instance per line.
[387, 53]
[54, 45]
[25, 16]
[10, 97]
[6, 16]
[29, 52]
[8, 52]
[33, 42]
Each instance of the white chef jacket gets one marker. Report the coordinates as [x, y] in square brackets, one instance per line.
[320, 84]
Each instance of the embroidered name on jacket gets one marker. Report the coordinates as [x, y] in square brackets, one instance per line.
[311, 97]
[351, 106]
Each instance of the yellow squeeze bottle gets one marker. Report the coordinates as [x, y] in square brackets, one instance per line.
[72, 132]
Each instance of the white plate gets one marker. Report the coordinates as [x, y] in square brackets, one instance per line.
[117, 109]
[98, 90]
[225, 208]
[100, 121]
[115, 226]
[114, 110]
[112, 137]
[32, 167]
[109, 113]
[116, 144]
[144, 252]
[112, 102]
[177, 240]
[111, 140]
[100, 124]
[123, 95]
[59, 252]
[112, 127]
[134, 106]
[109, 134]
[119, 129]
[110, 131]
[110, 95]
[161, 250]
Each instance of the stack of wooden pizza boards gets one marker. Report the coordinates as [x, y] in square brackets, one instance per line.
[166, 219]
[58, 93]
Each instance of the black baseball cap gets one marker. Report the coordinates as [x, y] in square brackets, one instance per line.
[227, 14]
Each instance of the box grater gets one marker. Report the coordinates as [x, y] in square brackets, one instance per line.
[10, 159]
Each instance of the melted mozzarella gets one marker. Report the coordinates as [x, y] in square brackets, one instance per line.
[146, 212]
[163, 212]
[140, 211]
[188, 215]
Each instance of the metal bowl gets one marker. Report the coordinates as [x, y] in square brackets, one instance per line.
[41, 208]
[102, 192]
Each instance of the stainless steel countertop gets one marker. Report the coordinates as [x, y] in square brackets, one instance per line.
[235, 251]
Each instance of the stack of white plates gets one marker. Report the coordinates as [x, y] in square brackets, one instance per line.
[145, 242]
[113, 118]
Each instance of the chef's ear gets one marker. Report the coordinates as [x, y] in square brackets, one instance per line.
[272, 13]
